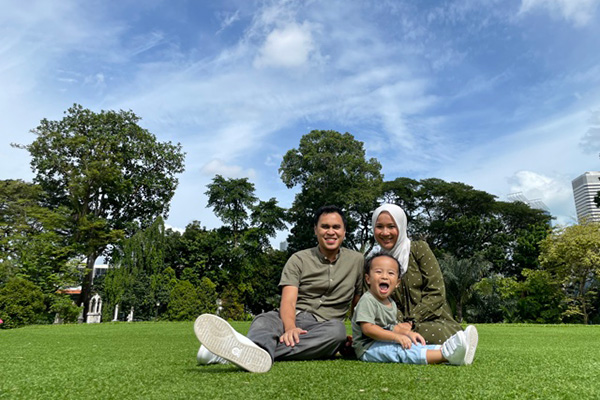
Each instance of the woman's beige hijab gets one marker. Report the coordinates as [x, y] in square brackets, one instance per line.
[401, 250]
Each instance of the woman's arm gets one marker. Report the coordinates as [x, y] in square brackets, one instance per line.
[433, 290]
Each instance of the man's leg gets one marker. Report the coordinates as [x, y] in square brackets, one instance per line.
[322, 340]
[265, 330]
[222, 340]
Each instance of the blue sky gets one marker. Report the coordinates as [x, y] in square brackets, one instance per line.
[502, 95]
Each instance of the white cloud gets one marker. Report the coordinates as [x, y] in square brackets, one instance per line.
[228, 19]
[578, 12]
[289, 47]
[590, 142]
[216, 166]
[552, 190]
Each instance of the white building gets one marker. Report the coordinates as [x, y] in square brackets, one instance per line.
[585, 188]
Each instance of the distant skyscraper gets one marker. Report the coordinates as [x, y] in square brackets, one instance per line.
[585, 188]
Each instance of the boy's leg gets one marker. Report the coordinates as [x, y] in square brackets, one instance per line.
[388, 352]
[472, 340]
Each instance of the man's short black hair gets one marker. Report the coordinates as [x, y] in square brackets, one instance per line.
[369, 261]
[329, 210]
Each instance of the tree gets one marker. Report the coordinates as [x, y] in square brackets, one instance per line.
[459, 277]
[231, 200]
[331, 168]
[137, 277]
[112, 175]
[573, 254]
[185, 303]
[457, 219]
[34, 239]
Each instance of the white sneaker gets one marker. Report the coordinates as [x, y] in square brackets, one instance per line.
[455, 349]
[205, 357]
[220, 339]
[472, 339]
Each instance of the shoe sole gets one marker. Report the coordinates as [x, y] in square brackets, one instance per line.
[472, 340]
[219, 338]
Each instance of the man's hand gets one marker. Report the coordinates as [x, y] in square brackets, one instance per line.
[292, 336]
[416, 338]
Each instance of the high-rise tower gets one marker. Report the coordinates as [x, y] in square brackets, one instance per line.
[585, 188]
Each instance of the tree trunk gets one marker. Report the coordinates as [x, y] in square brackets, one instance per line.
[86, 284]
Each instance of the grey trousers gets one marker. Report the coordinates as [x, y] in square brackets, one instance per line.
[322, 340]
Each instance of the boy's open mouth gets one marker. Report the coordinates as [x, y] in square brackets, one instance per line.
[384, 287]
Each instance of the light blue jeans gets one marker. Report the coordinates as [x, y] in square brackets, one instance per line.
[388, 352]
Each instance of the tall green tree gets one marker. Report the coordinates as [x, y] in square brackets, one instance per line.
[137, 276]
[459, 276]
[34, 241]
[112, 175]
[331, 168]
[231, 200]
[573, 254]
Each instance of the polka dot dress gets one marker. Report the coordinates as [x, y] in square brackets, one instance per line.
[421, 296]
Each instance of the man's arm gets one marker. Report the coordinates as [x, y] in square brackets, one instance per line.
[287, 312]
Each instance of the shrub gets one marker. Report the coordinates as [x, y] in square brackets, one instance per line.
[21, 303]
[184, 302]
[64, 306]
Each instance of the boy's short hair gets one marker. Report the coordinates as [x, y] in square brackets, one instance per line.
[329, 210]
[370, 259]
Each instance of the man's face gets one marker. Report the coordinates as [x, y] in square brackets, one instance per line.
[330, 233]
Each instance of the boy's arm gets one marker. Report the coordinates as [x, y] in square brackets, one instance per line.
[403, 329]
[378, 333]
[287, 312]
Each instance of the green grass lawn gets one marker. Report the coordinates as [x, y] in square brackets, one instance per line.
[157, 361]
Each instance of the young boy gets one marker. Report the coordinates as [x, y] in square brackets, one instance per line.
[378, 338]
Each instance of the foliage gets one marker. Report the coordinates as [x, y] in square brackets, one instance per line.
[112, 175]
[33, 240]
[208, 297]
[231, 200]
[231, 305]
[489, 302]
[62, 305]
[185, 302]
[21, 303]
[331, 168]
[572, 254]
[137, 278]
[459, 278]
[537, 298]
[459, 220]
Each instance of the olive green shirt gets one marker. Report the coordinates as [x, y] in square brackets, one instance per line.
[325, 288]
[371, 310]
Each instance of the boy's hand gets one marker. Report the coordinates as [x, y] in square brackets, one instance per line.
[404, 341]
[416, 338]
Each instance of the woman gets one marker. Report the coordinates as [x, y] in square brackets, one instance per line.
[421, 295]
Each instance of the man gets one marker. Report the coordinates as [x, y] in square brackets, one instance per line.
[319, 285]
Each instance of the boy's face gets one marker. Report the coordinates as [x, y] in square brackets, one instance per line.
[382, 277]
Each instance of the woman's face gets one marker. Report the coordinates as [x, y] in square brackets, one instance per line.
[386, 231]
